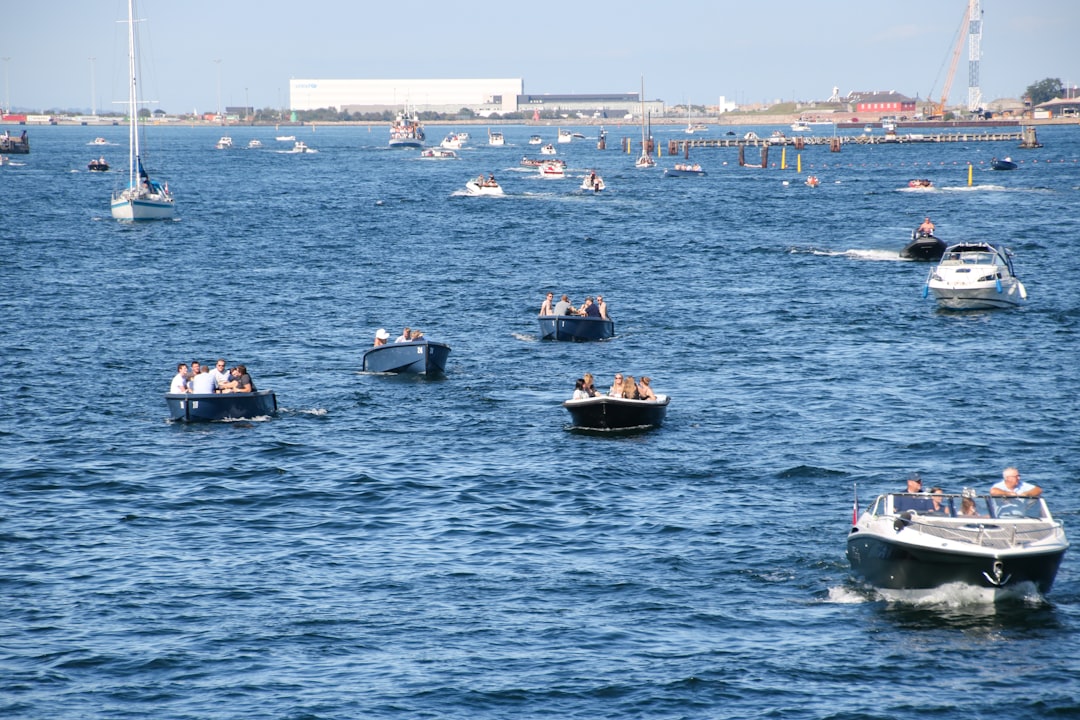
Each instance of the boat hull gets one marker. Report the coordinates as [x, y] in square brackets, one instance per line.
[890, 564]
[421, 357]
[474, 188]
[575, 328]
[192, 407]
[609, 413]
[142, 209]
[404, 144]
[1002, 165]
[978, 298]
[925, 248]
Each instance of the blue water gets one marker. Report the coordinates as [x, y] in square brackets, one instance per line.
[400, 548]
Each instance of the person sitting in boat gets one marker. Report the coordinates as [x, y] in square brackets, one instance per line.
[220, 374]
[579, 390]
[629, 388]
[918, 504]
[938, 504]
[179, 381]
[602, 306]
[243, 382]
[231, 384]
[381, 336]
[204, 382]
[545, 308]
[589, 309]
[564, 307]
[927, 228]
[616, 386]
[1011, 486]
[404, 336]
[644, 389]
[415, 335]
[590, 385]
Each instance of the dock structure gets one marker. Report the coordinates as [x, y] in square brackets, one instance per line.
[677, 147]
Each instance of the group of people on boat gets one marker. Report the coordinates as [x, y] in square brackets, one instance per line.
[623, 386]
[382, 336]
[934, 501]
[686, 167]
[489, 181]
[589, 308]
[204, 380]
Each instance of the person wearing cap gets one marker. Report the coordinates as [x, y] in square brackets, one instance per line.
[914, 483]
[918, 504]
[381, 336]
[1011, 486]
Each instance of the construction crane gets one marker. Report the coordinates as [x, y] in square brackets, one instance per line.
[939, 107]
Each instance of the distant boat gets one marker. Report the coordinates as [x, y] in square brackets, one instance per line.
[812, 181]
[575, 328]
[536, 140]
[920, 184]
[548, 149]
[99, 141]
[603, 412]
[301, 147]
[438, 153]
[553, 169]
[483, 186]
[415, 357]
[684, 169]
[98, 165]
[1006, 164]
[254, 143]
[645, 161]
[452, 141]
[224, 143]
[143, 198]
[285, 138]
[198, 407]
[593, 182]
[923, 246]
[800, 126]
[565, 136]
[496, 138]
[406, 131]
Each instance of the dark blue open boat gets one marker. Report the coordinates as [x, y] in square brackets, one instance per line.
[610, 413]
[199, 407]
[420, 357]
[1006, 164]
[575, 328]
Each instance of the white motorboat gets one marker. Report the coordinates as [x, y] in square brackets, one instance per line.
[99, 141]
[286, 138]
[143, 198]
[301, 147]
[536, 140]
[593, 182]
[565, 136]
[484, 186]
[224, 143]
[439, 153]
[973, 276]
[496, 138]
[452, 141]
[918, 542]
[406, 131]
[254, 143]
[800, 126]
[548, 149]
[552, 169]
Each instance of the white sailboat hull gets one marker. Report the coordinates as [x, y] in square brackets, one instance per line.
[125, 207]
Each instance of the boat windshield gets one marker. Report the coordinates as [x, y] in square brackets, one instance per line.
[958, 506]
[1018, 507]
[969, 258]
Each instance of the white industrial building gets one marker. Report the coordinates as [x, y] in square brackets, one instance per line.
[499, 95]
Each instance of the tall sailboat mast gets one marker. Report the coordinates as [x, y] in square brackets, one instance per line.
[133, 109]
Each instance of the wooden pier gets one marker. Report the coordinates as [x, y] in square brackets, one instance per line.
[679, 147]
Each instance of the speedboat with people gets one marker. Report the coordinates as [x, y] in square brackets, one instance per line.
[576, 328]
[301, 147]
[496, 139]
[975, 276]
[1006, 164]
[452, 141]
[484, 186]
[548, 149]
[923, 246]
[98, 165]
[413, 357]
[922, 541]
[438, 153]
[224, 143]
[535, 140]
[593, 182]
[603, 412]
[553, 169]
[920, 184]
[565, 136]
[208, 407]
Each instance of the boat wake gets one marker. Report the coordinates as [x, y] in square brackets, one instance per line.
[874, 255]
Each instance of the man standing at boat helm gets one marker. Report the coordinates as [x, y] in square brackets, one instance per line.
[914, 483]
[1011, 486]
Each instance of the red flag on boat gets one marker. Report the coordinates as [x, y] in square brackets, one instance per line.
[855, 509]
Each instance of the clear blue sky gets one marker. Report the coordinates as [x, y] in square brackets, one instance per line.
[693, 50]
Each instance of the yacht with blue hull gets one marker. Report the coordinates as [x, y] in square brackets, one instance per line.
[199, 407]
[417, 357]
[575, 328]
[918, 542]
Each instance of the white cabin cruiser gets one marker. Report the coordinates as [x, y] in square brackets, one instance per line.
[918, 542]
[973, 276]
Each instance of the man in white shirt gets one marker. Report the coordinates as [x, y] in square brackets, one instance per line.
[220, 374]
[203, 383]
[179, 381]
[1011, 486]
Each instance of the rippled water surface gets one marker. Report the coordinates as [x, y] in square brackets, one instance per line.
[392, 547]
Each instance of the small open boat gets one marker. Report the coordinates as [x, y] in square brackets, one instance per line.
[98, 165]
[920, 184]
[1006, 164]
[200, 407]
[575, 328]
[610, 413]
[593, 182]
[483, 186]
[684, 170]
[417, 357]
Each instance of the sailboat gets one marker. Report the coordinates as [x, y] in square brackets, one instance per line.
[143, 198]
[645, 161]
